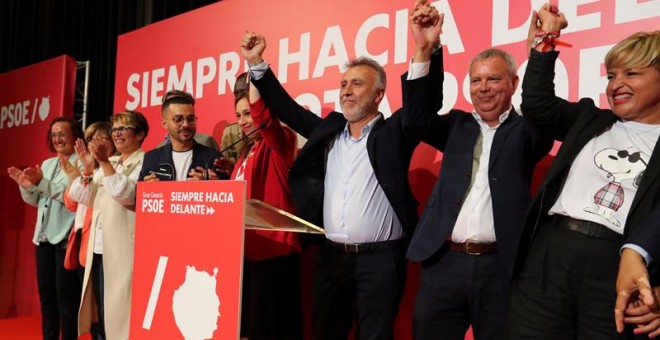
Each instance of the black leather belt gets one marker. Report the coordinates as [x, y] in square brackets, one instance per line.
[357, 248]
[473, 247]
[591, 229]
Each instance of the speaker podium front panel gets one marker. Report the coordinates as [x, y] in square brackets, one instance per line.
[188, 260]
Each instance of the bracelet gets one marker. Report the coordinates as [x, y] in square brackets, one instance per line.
[549, 39]
[546, 38]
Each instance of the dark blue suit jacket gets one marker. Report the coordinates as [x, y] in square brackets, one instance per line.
[575, 124]
[517, 147]
[389, 148]
[156, 159]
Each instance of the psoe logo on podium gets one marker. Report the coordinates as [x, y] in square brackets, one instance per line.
[188, 260]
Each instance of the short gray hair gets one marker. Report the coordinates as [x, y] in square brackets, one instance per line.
[381, 80]
[496, 52]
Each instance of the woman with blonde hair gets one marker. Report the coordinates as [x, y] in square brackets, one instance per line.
[601, 193]
[110, 190]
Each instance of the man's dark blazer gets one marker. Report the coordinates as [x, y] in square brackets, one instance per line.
[575, 124]
[154, 160]
[388, 147]
[517, 147]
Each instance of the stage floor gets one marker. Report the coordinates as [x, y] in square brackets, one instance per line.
[29, 328]
[24, 328]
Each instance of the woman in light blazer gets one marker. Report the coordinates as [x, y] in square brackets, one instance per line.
[43, 187]
[111, 191]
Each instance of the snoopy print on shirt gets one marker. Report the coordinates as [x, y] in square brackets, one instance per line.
[620, 166]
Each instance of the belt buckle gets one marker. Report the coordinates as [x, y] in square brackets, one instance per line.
[467, 248]
[351, 248]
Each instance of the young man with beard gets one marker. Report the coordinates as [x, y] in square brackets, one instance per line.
[183, 158]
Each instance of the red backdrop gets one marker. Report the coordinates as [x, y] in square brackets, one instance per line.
[309, 41]
[31, 97]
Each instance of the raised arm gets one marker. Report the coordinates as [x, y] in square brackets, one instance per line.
[540, 105]
[273, 94]
[281, 139]
[422, 85]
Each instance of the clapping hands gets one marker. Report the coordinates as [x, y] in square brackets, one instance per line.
[71, 170]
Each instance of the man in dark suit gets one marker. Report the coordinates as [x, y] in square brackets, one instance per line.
[468, 234]
[351, 178]
[182, 158]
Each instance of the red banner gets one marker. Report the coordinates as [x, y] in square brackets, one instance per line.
[31, 97]
[309, 42]
[188, 260]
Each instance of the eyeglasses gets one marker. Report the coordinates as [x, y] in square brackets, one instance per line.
[119, 130]
[58, 135]
[178, 119]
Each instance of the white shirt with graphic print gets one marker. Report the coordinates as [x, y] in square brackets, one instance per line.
[604, 177]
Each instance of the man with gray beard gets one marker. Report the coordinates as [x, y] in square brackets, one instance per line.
[351, 178]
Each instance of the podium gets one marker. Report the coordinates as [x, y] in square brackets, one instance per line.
[188, 257]
[263, 216]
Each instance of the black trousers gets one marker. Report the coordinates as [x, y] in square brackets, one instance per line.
[364, 288]
[566, 289]
[59, 292]
[457, 290]
[271, 305]
[98, 287]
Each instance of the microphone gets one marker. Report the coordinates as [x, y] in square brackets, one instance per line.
[242, 139]
[208, 163]
[261, 126]
[165, 172]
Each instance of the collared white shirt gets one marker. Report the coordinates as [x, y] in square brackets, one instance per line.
[475, 220]
[355, 209]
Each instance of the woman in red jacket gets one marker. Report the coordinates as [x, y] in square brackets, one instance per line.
[271, 307]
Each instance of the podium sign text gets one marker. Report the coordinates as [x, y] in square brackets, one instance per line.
[188, 260]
